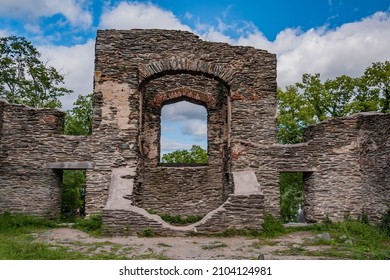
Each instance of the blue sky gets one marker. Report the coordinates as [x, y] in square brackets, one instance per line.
[331, 37]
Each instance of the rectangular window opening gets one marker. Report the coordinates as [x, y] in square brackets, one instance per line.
[183, 141]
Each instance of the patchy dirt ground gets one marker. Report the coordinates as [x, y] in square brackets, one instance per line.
[290, 246]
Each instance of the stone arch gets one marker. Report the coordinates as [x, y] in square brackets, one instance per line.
[176, 65]
[183, 189]
[182, 93]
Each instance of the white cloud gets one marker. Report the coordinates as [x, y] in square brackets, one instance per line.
[190, 117]
[254, 38]
[347, 50]
[195, 128]
[76, 62]
[183, 111]
[168, 145]
[139, 15]
[215, 35]
[28, 10]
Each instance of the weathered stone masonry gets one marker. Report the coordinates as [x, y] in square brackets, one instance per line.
[345, 162]
[31, 138]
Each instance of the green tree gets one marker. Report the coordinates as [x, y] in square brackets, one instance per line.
[312, 92]
[374, 89]
[25, 79]
[311, 100]
[78, 120]
[329, 99]
[195, 155]
[295, 114]
[338, 96]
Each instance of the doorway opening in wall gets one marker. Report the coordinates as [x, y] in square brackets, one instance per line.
[183, 138]
[291, 197]
[73, 194]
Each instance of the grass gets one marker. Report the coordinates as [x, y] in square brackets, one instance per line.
[18, 240]
[18, 224]
[24, 248]
[91, 225]
[150, 256]
[367, 242]
[18, 243]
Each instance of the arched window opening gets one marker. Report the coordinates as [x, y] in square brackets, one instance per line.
[183, 138]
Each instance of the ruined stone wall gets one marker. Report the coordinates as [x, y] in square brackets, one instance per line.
[29, 139]
[374, 162]
[1, 119]
[335, 189]
[136, 65]
[2, 156]
[268, 161]
[351, 171]
[344, 162]
[114, 139]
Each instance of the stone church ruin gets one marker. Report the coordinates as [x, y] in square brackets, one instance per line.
[345, 162]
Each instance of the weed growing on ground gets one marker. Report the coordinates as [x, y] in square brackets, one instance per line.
[91, 225]
[364, 218]
[272, 227]
[147, 232]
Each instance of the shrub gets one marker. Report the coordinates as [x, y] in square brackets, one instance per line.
[147, 232]
[272, 226]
